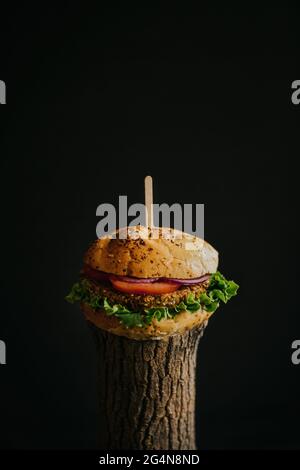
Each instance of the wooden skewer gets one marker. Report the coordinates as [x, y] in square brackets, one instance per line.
[149, 201]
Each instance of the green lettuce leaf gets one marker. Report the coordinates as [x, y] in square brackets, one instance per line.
[219, 290]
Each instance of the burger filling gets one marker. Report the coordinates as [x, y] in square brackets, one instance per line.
[136, 303]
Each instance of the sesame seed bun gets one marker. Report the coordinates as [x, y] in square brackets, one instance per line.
[145, 253]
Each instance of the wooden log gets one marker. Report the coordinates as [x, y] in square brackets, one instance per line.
[147, 390]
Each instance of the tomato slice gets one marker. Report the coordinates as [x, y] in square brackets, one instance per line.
[152, 288]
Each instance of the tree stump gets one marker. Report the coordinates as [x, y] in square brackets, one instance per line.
[147, 390]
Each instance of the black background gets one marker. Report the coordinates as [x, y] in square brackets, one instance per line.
[201, 100]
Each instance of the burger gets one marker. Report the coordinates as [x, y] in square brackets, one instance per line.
[151, 283]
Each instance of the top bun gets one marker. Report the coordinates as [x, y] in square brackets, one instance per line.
[157, 252]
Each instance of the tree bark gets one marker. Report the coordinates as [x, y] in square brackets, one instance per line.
[147, 391]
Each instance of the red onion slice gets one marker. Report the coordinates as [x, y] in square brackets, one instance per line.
[102, 276]
[95, 274]
[186, 282]
[183, 282]
[134, 280]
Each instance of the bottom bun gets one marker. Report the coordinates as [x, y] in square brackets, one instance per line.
[182, 322]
